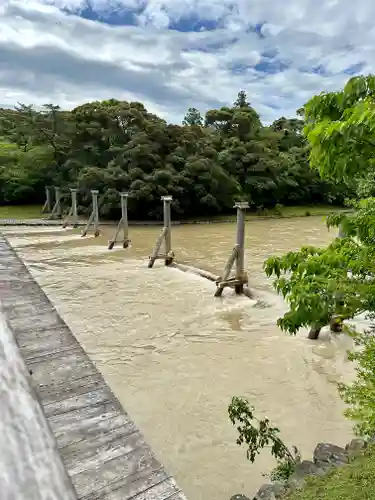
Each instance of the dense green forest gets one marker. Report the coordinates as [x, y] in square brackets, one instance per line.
[204, 163]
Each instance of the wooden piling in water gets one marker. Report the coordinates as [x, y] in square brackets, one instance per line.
[165, 236]
[94, 217]
[73, 211]
[195, 270]
[102, 449]
[47, 207]
[240, 243]
[168, 225]
[123, 224]
[237, 258]
[56, 210]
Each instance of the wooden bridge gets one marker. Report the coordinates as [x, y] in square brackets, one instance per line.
[63, 433]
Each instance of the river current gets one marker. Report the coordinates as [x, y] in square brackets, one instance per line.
[174, 355]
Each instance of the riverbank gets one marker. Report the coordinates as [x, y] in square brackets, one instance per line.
[10, 215]
[355, 481]
[334, 473]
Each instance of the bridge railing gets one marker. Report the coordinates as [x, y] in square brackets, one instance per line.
[30, 464]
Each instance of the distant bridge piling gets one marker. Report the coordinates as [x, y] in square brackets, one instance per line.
[47, 207]
[56, 210]
[94, 217]
[73, 211]
[236, 259]
[165, 236]
[123, 224]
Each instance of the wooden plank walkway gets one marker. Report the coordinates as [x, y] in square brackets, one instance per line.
[103, 452]
[31, 467]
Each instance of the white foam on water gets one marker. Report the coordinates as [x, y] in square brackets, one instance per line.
[71, 254]
[32, 229]
[58, 239]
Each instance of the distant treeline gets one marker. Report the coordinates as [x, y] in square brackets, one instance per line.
[205, 163]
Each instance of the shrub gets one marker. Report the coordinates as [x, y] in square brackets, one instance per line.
[258, 434]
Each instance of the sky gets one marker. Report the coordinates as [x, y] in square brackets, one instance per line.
[175, 54]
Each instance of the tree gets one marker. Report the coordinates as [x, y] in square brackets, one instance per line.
[322, 283]
[340, 129]
[337, 281]
[116, 145]
[360, 395]
[241, 101]
[257, 434]
[192, 117]
[17, 125]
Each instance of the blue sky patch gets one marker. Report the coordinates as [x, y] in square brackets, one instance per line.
[113, 17]
[354, 69]
[256, 28]
[319, 70]
[271, 66]
[239, 69]
[193, 23]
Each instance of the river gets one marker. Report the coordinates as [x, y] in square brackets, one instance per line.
[174, 355]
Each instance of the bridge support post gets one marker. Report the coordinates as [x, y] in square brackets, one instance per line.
[237, 258]
[56, 210]
[73, 192]
[165, 236]
[73, 211]
[47, 207]
[123, 224]
[94, 217]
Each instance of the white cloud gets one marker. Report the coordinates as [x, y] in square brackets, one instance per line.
[47, 55]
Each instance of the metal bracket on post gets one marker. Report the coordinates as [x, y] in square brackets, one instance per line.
[94, 217]
[237, 257]
[73, 212]
[56, 211]
[165, 236]
[47, 207]
[123, 224]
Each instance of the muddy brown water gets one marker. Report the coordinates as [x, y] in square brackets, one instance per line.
[174, 355]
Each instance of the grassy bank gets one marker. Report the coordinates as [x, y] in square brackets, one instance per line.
[355, 481]
[34, 212]
[299, 211]
[21, 212]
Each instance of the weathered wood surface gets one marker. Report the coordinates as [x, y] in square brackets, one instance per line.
[187, 268]
[30, 464]
[102, 449]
